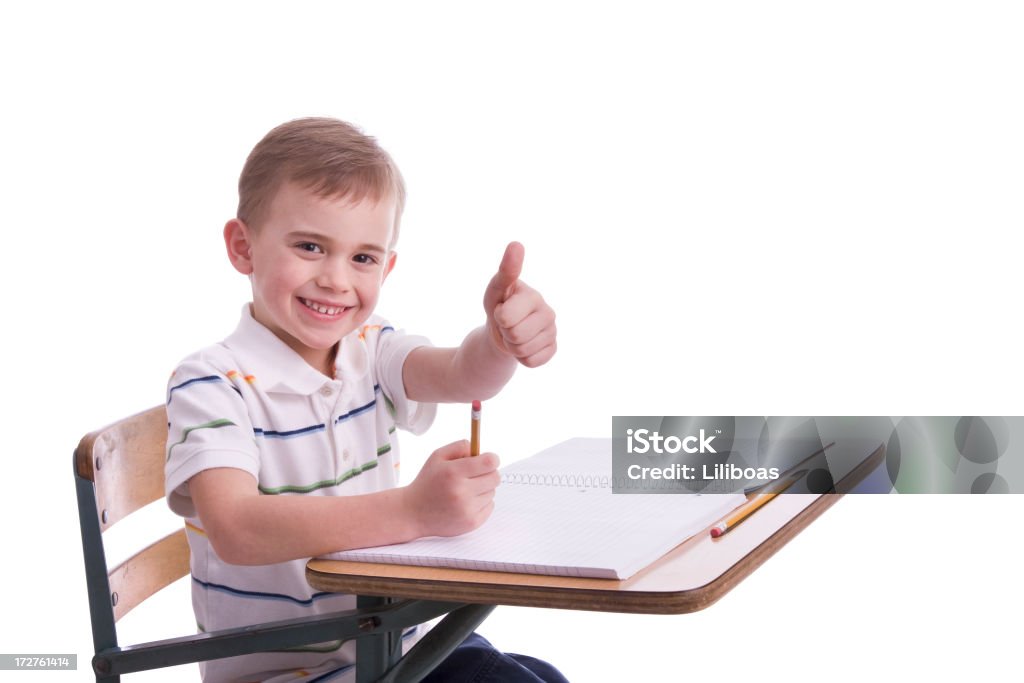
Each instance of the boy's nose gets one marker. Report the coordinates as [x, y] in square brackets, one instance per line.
[335, 278]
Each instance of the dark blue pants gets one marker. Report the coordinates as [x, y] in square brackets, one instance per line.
[477, 661]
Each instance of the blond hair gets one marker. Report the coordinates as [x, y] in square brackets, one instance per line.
[331, 158]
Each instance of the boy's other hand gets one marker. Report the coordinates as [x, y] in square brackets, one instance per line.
[520, 322]
[453, 493]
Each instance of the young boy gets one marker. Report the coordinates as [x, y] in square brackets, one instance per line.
[281, 441]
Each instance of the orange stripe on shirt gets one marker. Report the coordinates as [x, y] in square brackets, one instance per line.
[362, 332]
[234, 374]
[194, 528]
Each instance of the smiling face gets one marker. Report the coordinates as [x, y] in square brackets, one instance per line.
[316, 266]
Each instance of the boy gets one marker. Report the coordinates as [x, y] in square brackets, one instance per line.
[281, 438]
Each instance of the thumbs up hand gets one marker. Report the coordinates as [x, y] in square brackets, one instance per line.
[519, 322]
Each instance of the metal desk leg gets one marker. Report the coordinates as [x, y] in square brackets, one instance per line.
[437, 644]
[376, 652]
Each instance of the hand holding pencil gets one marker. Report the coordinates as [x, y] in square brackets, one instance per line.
[454, 492]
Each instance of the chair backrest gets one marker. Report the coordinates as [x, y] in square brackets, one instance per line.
[118, 470]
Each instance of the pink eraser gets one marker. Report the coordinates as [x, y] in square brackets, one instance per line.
[476, 405]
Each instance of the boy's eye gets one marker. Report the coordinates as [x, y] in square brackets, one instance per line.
[310, 247]
[364, 258]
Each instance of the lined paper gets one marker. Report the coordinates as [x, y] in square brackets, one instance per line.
[554, 514]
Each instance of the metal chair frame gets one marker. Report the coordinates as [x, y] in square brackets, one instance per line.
[377, 622]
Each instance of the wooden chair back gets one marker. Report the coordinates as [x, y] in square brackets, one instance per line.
[125, 463]
[120, 469]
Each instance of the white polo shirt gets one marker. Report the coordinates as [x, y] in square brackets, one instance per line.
[254, 404]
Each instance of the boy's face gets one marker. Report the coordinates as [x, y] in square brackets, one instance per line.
[316, 267]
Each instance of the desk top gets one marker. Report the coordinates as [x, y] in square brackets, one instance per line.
[689, 578]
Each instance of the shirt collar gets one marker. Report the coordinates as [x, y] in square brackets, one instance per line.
[274, 364]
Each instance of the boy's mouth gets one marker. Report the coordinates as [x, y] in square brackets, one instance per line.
[323, 309]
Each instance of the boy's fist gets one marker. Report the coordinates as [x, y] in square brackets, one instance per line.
[520, 322]
[453, 493]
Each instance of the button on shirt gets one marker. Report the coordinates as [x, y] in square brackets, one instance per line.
[254, 404]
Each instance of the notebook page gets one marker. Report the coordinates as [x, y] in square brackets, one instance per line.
[564, 530]
[587, 461]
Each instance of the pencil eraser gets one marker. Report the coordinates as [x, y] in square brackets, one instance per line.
[716, 532]
[476, 405]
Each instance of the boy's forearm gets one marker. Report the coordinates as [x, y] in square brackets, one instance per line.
[479, 369]
[259, 529]
[474, 370]
[312, 526]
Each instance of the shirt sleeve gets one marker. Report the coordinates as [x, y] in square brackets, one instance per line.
[208, 426]
[393, 347]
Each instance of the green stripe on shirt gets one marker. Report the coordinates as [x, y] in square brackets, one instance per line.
[386, 448]
[355, 471]
[213, 424]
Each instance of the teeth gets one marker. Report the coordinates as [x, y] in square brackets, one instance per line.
[320, 308]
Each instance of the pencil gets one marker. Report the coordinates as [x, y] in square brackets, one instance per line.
[752, 506]
[474, 429]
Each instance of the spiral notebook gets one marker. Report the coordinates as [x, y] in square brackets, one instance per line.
[554, 513]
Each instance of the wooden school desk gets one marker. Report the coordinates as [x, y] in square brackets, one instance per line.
[689, 578]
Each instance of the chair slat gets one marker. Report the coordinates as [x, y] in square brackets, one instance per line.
[125, 460]
[149, 571]
[120, 469]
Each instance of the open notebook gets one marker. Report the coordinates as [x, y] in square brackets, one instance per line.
[554, 513]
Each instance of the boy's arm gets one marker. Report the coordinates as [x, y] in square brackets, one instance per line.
[451, 495]
[520, 328]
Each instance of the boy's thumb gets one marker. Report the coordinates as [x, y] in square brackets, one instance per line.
[453, 451]
[501, 286]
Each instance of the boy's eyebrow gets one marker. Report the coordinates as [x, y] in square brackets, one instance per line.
[307, 235]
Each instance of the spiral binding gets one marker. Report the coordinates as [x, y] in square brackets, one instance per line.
[577, 481]
[622, 485]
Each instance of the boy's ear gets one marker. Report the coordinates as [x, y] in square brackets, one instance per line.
[238, 240]
[389, 266]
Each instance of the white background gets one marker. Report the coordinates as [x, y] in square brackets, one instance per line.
[735, 208]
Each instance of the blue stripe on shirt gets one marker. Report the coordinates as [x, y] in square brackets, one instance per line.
[260, 595]
[196, 380]
[361, 409]
[313, 429]
[272, 434]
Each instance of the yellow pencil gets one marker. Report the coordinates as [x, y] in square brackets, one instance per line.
[752, 506]
[474, 429]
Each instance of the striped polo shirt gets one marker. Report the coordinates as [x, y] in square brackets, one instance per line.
[254, 404]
